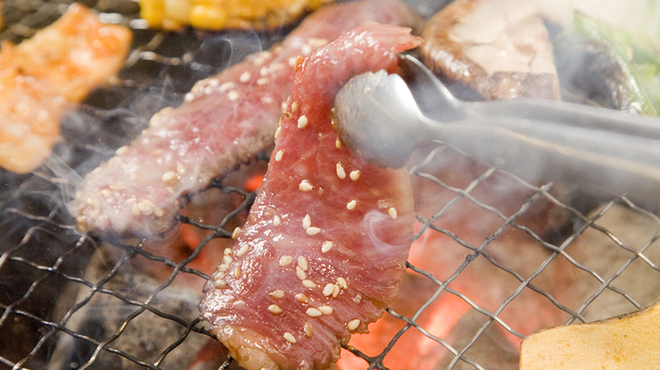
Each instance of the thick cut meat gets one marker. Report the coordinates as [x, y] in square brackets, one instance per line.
[498, 47]
[225, 120]
[325, 244]
[41, 77]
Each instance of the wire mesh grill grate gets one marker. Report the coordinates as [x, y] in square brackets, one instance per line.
[494, 257]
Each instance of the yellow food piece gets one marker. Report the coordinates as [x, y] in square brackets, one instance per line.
[221, 14]
[627, 342]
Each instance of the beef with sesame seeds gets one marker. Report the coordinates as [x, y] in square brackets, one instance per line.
[331, 270]
[224, 121]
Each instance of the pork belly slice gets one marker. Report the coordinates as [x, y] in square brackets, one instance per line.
[500, 48]
[44, 76]
[224, 121]
[325, 244]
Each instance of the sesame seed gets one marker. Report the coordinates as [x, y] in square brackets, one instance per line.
[328, 289]
[284, 106]
[355, 175]
[259, 61]
[278, 132]
[95, 213]
[357, 298]
[338, 143]
[170, 190]
[285, 260]
[276, 220]
[342, 283]
[219, 284]
[262, 81]
[156, 152]
[309, 284]
[292, 61]
[341, 173]
[233, 95]
[276, 67]
[307, 222]
[245, 76]
[305, 186]
[294, 107]
[302, 298]
[313, 312]
[106, 193]
[311, 231]
[275, 309]
[92, 201]
[335, 291]
[353, 324]
[306, 50]
[180, 169]
[213, 82]
[317, 42]
[219, 276]
[266, 99]
[222, 268]
[227, 260]
[302, 262]
[116, 161]
[351, 205]
[234, 234]
[242, 250]
[263, 71]
[300, 273]
[189, 97]
[303, 121]
[134, 210]
[392, 212]
[327, 245]
[226, 86]
[168, 176]
[277, 294]
[308, 329]
[227, 252]
[279, 155]
[121, 150]
[326, 310]
[144, 208]
[267, 54]
[237, 272]
[289, 337]
[158, 212]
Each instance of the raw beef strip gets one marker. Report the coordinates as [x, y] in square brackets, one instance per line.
[325, 244]
[225, 120]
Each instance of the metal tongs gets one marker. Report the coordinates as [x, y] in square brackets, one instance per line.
[537, 140]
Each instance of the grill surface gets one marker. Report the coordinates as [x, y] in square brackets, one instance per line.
[73, 301]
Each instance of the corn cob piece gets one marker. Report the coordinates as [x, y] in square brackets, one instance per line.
[222, 14]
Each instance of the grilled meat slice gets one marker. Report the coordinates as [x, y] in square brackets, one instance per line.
[42, 77]
[325, 244]
[226, 120]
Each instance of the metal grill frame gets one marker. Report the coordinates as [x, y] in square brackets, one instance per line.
[52, 221]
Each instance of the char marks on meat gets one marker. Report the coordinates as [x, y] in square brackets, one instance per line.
[224, 121]
[42, 77]
[325, 244]
[500, 48]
